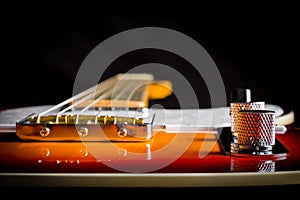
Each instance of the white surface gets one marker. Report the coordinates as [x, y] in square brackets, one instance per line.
[194, 120]
[150, 179]
[178, 120]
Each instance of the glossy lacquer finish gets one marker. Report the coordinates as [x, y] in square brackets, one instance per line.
[164, 153]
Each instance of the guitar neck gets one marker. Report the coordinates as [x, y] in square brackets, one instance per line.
[120, 91]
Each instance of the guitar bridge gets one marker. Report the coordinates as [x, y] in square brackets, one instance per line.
[117, 125]
[114, 110]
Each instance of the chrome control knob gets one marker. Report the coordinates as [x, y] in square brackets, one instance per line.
[256, 130]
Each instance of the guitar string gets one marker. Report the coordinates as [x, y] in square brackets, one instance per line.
[78, 96]
[121, 89]
[102, 88]
[123, 85]
[104, 95]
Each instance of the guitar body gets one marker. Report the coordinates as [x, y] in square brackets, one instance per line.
[123, 164]
[165, 159]
[76, 157]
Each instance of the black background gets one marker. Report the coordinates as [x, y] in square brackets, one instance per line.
[257, 49]
[253, 46]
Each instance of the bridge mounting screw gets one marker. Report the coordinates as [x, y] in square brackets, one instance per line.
[83, 131]
[45, 131]
[122, 132]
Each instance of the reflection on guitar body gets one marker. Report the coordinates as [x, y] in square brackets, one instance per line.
[109, 129]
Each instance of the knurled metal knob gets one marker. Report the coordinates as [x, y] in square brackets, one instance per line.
[235, 107]
[256, 130]
[240, 165]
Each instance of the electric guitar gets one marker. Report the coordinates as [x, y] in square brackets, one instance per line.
[107, 136]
